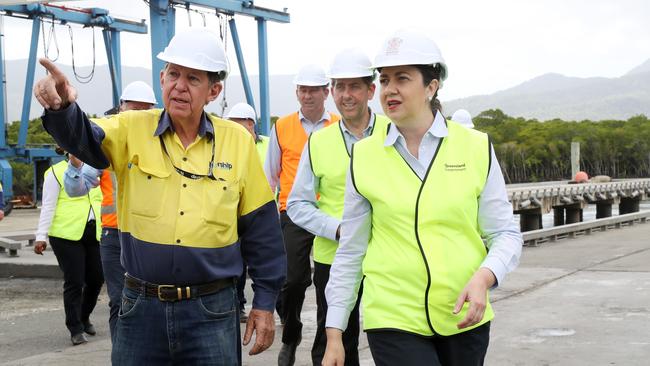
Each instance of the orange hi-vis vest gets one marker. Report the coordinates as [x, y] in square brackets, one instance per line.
[292, 139]
[108, 185]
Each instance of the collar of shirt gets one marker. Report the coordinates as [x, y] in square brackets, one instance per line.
[165, 123]
[326, 116]
[438, 129]
[366, 132]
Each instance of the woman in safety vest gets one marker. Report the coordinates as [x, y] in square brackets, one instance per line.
[420, 198]
[73, 227]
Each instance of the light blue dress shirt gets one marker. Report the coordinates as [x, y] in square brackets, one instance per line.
[495, 220]
[302, 204]
[79, 181]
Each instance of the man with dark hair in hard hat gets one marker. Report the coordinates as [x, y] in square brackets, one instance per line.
[288, 138]
[193, 205]
[80, 178]
[316, 200]
[245, 115]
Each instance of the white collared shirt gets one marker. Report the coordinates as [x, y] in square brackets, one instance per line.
[273, 163]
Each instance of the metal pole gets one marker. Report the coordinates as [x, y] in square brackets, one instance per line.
[29, 82]
[162, 17]
[575, 158]
[3, 87]
[240, 62]
[111, 67]
[265, 118]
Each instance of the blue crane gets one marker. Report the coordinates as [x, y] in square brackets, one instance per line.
[162, 18]
[41, 157]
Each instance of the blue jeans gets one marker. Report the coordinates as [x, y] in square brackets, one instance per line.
[110, 250]
[200, 331]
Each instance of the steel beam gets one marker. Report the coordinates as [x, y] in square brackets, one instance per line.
[265, 110]
[242, 65]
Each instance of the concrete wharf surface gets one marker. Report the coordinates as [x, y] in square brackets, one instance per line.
[582, 301]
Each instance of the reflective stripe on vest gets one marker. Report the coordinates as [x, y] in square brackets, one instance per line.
[291, 139]
[108, 185]
[425, 243]
[262, 146]
[71, 213]
[329, 162]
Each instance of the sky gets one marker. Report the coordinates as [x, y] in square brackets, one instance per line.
[488, 45]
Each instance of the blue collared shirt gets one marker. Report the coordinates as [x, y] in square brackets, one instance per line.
[302, 204]
[495, 219]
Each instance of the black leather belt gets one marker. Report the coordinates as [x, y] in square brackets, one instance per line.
[176, 292]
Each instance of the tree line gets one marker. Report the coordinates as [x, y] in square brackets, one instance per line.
[528, 150]
[532, 151]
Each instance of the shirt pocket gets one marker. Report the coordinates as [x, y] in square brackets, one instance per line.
[147, 189]
[220, 202]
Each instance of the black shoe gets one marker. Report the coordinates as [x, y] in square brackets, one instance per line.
[243, 317]
[89, 328]
[78, 339]
[287, 355]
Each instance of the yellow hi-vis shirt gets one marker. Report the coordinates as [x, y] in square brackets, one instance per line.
[176, 229]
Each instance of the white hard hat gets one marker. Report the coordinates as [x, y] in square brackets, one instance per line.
[242, 110]
[463, 117]
[407, 47]
[197, 48]
[311, 75]
[350, 63]
[138, 91]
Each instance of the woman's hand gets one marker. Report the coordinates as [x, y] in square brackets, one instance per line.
[475, 292]
[39, 247]
[334, 353]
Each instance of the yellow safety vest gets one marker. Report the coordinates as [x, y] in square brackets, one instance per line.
[262, 147]
[329, 163]
[425, 243]
[71, 214]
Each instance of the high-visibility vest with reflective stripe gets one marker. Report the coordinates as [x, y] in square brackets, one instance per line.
[262, 146]
[291, 139]
[71, 213]
[329, 162]
[425, 243]
[108, 185]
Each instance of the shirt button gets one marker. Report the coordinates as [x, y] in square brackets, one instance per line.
[184, 159]
[178, 241]
[184, 185]
[148, 177]
[182, 213]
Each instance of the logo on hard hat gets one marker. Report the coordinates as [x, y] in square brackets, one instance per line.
[393, 46]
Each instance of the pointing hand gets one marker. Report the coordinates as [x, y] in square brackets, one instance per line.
[54, 90]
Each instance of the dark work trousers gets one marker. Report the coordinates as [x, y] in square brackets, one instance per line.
[351, 334]
[390, 348]
[82, 276]
[298, 243]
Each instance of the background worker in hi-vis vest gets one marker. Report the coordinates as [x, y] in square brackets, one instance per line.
[287, 140]
[420, 195]
[245, 115]
[316, 200]
[73, 227]
[81, 178]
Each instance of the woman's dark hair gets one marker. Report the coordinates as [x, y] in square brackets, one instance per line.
[428, 74]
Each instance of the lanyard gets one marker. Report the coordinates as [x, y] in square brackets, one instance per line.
[187, 174]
